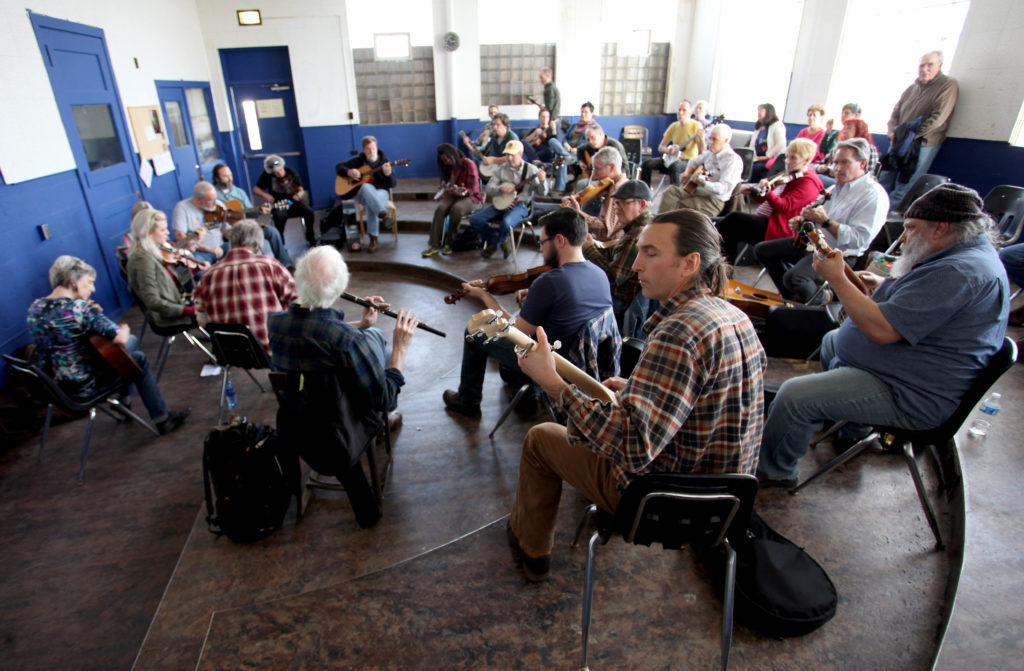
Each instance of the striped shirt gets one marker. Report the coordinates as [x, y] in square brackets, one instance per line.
[243, 289]
[694, 403]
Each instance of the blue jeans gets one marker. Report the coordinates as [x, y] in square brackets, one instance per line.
[493, 225]
[474, 365]
[887, 178]
[273, 244]
[375, 201]
[547, 153]
[1013, 259]
[146, 383]
[803, 403]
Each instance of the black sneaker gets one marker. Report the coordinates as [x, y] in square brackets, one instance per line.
[783, 483]
[535, 569]
[456, 404]
[175, 418]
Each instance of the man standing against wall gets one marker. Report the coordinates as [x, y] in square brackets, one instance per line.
[931, 98]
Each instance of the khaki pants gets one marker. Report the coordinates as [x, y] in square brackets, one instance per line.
[675, 198]
[547, 460]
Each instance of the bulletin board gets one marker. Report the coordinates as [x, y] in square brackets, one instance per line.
[149, 130]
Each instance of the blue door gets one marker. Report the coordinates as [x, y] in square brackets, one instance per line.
[266, 122]
[183, 151]
[83, 84]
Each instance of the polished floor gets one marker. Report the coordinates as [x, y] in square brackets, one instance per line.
[121, 572]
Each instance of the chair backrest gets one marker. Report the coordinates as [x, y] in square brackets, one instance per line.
[677, 509]
[777, 167]
[740, 138]
[747, 154]
[1001, 362]
[235, 345]
[634, 132]
[634, 149]
[39, 382]
[598, 347]
[921, 186]
[1005, 203]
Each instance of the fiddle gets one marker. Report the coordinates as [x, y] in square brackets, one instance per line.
[594, 190]
[176, 257]
[500, 285]
[781, 178]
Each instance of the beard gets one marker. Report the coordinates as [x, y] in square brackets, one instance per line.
[551, 256]
[909, 257]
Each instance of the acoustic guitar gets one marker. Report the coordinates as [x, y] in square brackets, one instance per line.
[345, 187]
[491, 324]
[751, 300]
[116, 356]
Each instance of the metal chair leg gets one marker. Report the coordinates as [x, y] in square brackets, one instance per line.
[511, 405]
[46, 427]
[165, 350]
[198, 345]
[834, 429]
[128, 411]
[727, 602]
[838, 461]
[588, 514]
[588, 598]
[939, 470]
[255, 381]
[223, 394]
[922, 495]
[85, 445]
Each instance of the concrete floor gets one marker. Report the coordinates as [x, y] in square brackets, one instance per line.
[121, 572]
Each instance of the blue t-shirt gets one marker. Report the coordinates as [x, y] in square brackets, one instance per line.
[563, 299]
[951, 310]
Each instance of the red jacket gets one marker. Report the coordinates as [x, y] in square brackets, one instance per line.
[794, 197]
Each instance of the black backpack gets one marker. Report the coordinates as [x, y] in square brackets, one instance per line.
[780, 590]
[253, 478]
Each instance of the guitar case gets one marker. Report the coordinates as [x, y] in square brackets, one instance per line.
[795, 332]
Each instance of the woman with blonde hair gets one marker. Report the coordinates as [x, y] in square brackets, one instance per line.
[150, 279]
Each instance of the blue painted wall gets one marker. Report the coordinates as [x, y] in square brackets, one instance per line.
[57, 200]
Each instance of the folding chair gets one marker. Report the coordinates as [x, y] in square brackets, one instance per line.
[234, 345]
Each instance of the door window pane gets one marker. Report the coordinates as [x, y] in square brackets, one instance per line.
[176, 123]
[99, 139]
[202, 127]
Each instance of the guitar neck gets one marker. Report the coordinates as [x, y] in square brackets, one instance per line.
[566, 369]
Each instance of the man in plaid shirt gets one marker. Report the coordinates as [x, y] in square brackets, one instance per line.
[693, 404]
[245, 286]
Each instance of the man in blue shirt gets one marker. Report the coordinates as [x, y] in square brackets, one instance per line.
[561, 300]
[227, 190]
[906, 354]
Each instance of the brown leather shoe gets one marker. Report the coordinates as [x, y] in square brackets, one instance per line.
[373, 244]
[394, 420]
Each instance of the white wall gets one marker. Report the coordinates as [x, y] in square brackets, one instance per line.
[163, 34]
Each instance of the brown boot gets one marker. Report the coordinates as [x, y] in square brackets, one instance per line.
[373, 244]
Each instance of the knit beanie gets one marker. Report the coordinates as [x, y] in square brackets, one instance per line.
[947, 202]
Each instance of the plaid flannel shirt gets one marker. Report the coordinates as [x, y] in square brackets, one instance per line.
[694, 403]
[309, 340]
[616, 260]
[466, 175]
[243, 288]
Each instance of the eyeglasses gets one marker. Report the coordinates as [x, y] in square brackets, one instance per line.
[542, 241]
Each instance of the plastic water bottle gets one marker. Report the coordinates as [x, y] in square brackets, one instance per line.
[990, 406]
[229, 394]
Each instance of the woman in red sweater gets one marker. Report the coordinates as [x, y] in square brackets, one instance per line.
[779, 204]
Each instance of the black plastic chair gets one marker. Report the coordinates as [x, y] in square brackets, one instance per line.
[896, 439]
[747, 155]
[675, 509]
[47, 389]
[234, 345]
[893, 227]
[1005, 203]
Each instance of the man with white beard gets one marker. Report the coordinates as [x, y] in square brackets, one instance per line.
[908, 352]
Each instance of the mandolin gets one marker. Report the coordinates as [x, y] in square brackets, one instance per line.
[345, 187]
[116, 356]
[819, 246]
[501, 285]
[491, 324]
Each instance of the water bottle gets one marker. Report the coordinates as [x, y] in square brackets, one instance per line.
[229, 394]
[990, 406]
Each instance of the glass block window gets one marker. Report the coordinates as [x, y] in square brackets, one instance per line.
[631, 84]
[395, 91]
[508, 72]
